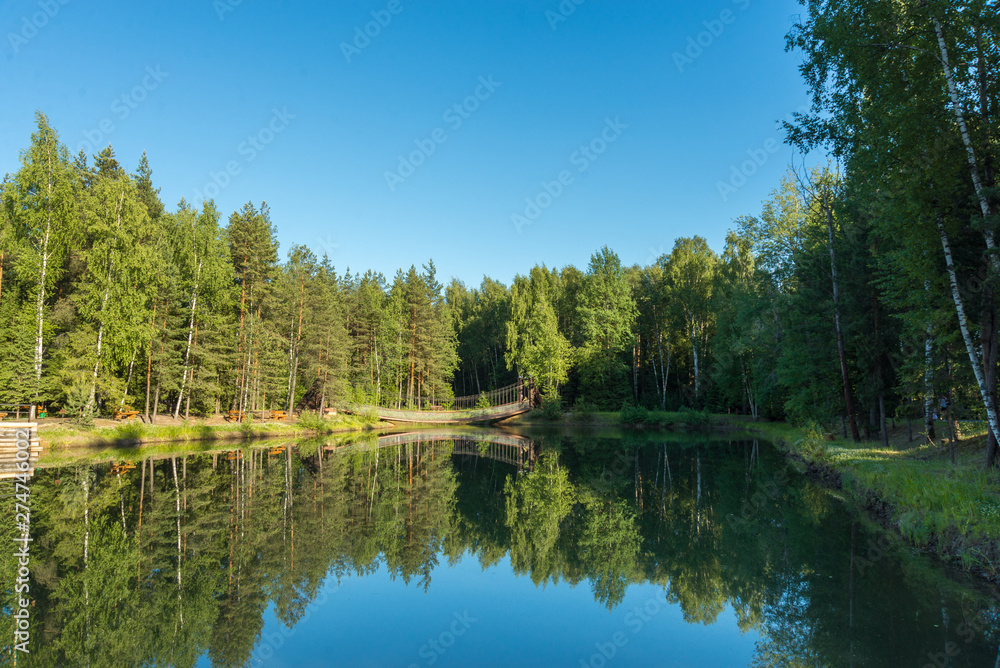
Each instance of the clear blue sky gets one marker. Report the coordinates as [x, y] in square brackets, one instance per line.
[201, 77]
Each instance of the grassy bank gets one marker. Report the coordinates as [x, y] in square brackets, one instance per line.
[66, 435]
[952, 509]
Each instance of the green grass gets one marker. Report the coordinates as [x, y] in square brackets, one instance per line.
[952, 508]
[129, 433]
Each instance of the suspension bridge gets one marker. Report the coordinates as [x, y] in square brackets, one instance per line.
[492, 406]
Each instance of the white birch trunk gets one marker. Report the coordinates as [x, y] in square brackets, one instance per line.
[697, 369]
[41, 308]
[929, 382]
[187, 352]
[963, 323]
[956, 104]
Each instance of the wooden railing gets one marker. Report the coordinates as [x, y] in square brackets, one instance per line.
[18, 411]
[518, 392]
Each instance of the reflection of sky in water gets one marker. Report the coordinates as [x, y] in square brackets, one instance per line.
[375, 621]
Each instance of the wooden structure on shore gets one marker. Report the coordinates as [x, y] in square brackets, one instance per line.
[11, 434]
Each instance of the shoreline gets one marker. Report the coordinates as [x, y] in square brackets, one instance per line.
[937, 519]
[57, 438]
[911, 489]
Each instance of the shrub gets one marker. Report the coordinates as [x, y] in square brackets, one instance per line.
[312, 420]
[552, 408]
[131, 431]
[584, 410]
[813, 441]
[634, 415]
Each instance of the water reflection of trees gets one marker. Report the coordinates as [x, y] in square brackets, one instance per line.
[182, 555]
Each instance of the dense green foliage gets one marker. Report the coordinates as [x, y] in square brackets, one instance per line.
[107, 299]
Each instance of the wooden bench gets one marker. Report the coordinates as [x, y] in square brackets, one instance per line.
[3, 415]
[278, 415]
[235, 416]
[125, 413]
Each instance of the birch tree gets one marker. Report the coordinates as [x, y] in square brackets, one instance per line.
[39, 201]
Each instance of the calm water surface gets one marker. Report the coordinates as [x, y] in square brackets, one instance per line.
[480, 548]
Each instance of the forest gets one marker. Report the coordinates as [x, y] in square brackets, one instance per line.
[862, 292]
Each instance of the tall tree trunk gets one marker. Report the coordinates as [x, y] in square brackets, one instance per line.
[378, 372]
[104, 305]
[149, 360]
[929, 384]
[41, 281]
[156, 401]
[97, 362]
[988, 342]
[981, 193]
[963, 323]
[989, 303]
[636, 349]
[664, 374]
[697, 367]
[187, 350]
[883, 431]
[841, 352]
[180, 556]
[128, 381]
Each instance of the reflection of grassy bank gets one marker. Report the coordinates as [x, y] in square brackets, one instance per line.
[951, 509]
[130, 434]
[639, 418]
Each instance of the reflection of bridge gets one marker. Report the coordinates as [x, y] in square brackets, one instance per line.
[493, 444]
[491, 406]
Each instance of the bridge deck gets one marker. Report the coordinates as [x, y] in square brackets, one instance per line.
[468, 416]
